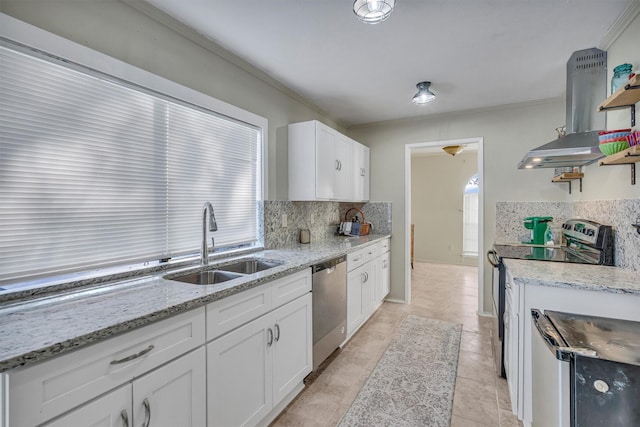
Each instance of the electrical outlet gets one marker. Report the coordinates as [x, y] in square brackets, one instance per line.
[313, 218]
[284, 220]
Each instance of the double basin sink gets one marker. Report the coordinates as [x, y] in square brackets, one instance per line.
[223, 273]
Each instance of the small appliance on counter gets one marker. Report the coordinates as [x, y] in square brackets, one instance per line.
[587, 242]
[540, 231]
[586, 370]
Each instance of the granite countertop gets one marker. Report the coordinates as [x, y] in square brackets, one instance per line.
[590, 277]
[36, 329]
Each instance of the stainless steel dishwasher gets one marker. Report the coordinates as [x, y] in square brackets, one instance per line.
[329, 291]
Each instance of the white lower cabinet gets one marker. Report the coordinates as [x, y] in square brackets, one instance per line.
[368, 283]
[42, 392]
[383, 276]
[172, 395]
[111, 410]
[253, 368]
[360, 295]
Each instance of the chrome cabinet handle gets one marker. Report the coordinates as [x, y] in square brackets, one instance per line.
[364, 277]
[147, 412]
[337, 164]
[270, 339]
[277, 332]
[361, 171]
[133, 356]
[492, 257]
[125, 418]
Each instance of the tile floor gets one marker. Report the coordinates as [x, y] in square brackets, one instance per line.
[439, 291]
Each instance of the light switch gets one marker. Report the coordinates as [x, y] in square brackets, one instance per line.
[284, 220]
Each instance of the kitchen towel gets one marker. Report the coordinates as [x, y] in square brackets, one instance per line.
[413, 383]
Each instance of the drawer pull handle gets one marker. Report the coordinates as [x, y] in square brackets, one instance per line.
[133, 356]
[270, 339]
[147, 412]
[277, 332]
[125, 418]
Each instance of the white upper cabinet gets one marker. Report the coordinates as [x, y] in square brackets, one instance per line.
[321, 164]
[360, 172]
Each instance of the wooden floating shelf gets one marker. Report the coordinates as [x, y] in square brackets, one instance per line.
[623, 97]
[569, 176]
[626, 157]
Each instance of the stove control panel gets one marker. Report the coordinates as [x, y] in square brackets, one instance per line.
[582, 230]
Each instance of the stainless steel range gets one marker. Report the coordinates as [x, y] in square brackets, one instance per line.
[586, 242]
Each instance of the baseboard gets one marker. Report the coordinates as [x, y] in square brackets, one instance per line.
[484, 313]
[395, 301]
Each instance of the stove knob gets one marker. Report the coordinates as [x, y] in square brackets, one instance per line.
[601, 386]
[591, 233]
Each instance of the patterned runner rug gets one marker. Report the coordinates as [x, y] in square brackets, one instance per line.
[413, 383]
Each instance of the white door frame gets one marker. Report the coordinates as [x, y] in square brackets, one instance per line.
[407, 211]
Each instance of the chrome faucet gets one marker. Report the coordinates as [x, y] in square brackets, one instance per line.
[213, 226]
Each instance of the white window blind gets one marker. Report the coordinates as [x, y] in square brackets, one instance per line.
[470, 218]
[96, 173]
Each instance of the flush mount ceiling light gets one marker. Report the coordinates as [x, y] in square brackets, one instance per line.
[373, 11]
[453, 149]
[424, 95]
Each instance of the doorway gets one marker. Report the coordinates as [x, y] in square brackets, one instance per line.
[412, 149]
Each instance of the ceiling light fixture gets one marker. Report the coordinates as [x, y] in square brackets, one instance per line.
[373, 11]
[453, 149]
[424, 95]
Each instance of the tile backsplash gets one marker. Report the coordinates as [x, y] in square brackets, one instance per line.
[321, 218]
[620, 214]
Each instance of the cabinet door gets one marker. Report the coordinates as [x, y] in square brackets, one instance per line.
[343, 175]
[354, 299]
[360, 165]
[382, 277]
[326, 162]
[111, 410]
[173, 395]
[239, 375]
[292, 349]
[368, 289]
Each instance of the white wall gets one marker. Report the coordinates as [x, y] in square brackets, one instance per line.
[121, 31]
[438, 183]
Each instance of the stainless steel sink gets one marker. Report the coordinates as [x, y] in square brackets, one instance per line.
[210, 277]
[249, 266]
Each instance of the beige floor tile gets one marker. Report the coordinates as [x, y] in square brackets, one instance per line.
[475, 401]
[457, 421]
[504, 401]
[507, 419]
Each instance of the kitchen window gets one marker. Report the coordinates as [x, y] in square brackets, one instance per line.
[97, 172]
[470, 218]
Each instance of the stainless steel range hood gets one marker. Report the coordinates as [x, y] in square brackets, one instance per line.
[586, 89]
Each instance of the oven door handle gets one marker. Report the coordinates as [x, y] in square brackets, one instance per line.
[550, 335]
[492, 257]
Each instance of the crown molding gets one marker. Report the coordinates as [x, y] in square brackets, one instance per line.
[621, 24]
[170, 22]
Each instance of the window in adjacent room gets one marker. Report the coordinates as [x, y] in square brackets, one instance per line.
[470, 218]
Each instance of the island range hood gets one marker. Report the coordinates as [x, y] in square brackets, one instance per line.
[586, 89]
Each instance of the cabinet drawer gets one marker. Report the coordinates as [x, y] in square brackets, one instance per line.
[40, 392]
[384, 246]
[355, 259]
[369, 253]
[229, 313]
[291, 287]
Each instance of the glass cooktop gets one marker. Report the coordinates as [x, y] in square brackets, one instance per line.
[542, 253]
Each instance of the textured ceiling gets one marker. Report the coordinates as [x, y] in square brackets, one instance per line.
[476, 53]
